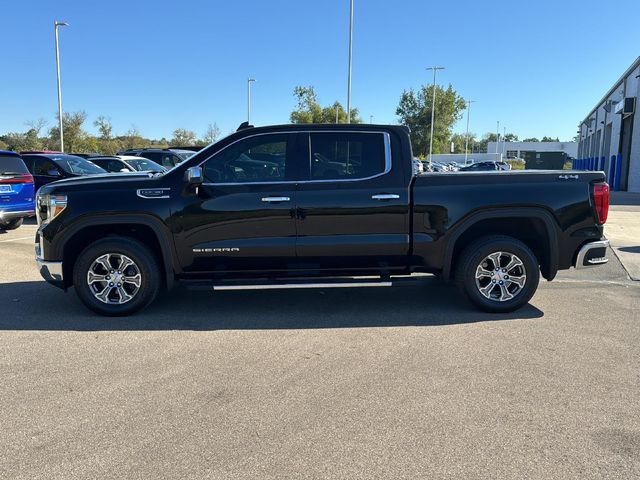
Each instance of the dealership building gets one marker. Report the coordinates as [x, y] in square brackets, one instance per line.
[610, 134]
[519, 149]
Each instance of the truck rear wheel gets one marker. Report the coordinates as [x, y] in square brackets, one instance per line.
[116, 276]
[498, 273]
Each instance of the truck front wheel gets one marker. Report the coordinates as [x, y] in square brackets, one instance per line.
[116, 276]
[498, 273]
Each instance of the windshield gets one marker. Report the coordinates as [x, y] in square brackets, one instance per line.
[77, 165]
[144, 165]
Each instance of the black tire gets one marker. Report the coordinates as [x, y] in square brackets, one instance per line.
[145, 265]
[477, 255]
[11, 224]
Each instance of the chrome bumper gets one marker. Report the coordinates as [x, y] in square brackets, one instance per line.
[8, 214]
[50, 271]
[592, 254]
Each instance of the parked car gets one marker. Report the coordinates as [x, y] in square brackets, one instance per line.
[127, 163]
[87, 155]
[189, 148]
[439, 167]
[220, 221]
[17, 194]
[418, 166]
[24, 152]
[47, 168]
[503, 165]
[481, 167]
[453, 166]
[167, 157]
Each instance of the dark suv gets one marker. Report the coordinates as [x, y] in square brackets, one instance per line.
[167, 157]
[49, 167]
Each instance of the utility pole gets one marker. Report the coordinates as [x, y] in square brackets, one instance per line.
[249, 80]
[57, 24]
[466, 138]
[350, 61]
[433, 106]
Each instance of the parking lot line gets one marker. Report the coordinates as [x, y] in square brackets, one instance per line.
[16, 239]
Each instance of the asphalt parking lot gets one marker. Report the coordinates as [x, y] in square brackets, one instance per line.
[359, 383]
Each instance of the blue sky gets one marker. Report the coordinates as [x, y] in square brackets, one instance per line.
[538, 67]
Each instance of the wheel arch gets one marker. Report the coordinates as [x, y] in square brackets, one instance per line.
[149, 231]
[535, 227]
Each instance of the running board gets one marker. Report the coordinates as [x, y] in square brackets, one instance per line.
[301, 282]
[276, 286]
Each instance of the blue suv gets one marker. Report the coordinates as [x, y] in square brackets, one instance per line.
[17, 193]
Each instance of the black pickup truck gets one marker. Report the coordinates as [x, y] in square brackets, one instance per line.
[304, 206]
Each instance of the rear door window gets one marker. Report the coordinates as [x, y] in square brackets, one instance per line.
[154, 156]
[347, 156]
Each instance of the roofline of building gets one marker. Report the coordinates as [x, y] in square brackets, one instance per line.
[633, 66]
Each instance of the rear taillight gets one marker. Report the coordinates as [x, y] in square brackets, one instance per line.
[601, 201]
[24, 178]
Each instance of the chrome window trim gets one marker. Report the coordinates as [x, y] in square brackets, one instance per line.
[387, 158]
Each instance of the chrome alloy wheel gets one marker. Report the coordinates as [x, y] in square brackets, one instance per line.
[114, 278]
[501, 276]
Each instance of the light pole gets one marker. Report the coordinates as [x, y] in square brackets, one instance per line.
[370, 118]
[350, 55]
[497, 135]
[504, 141]
[249, 80]
[433, 106]
[466, 138]
[57, 24]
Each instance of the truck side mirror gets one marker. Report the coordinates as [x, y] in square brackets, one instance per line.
[194, 176]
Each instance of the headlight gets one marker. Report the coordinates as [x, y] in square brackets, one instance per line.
[49, 207]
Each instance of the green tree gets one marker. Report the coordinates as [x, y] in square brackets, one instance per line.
[531, 139]
[133, 139]
[509, 137]
[550, 139]
[37, 125]
[482, 144]
[104, 127]
[414, 111]
[211, 134]
[308, 110]
[106, 143]
[183, 137]
[458, 140]
[76, 139]
[28, 140]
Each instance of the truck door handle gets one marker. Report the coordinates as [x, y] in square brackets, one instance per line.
[275, 199]
[385, 196]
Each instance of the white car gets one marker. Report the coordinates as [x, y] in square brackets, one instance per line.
[127, 163]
